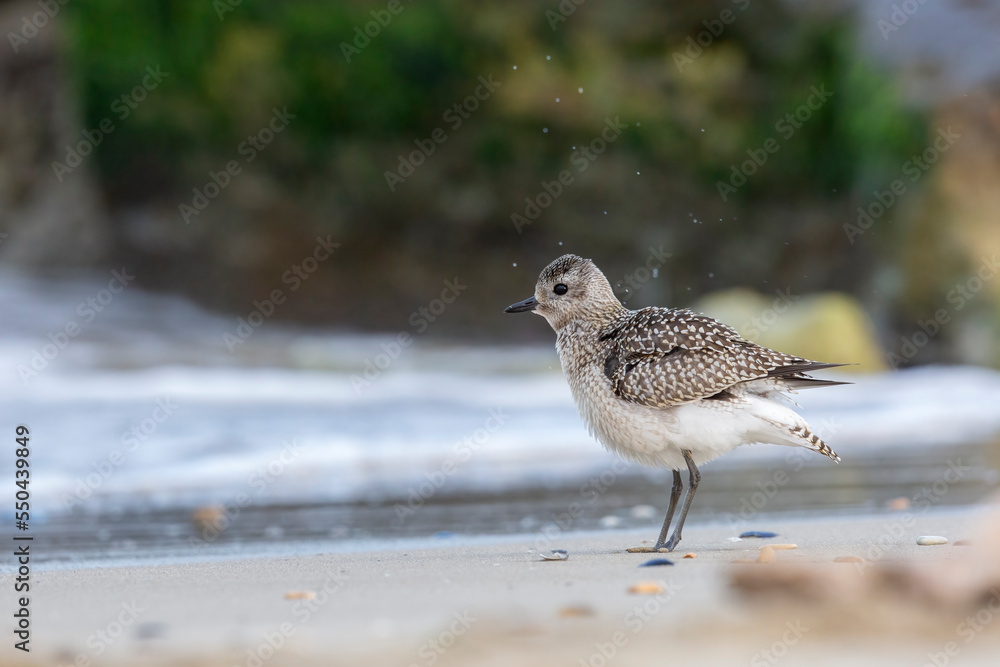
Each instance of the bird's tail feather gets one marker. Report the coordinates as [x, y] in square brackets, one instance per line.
[815, 442]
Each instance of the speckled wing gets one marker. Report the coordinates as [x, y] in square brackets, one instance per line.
[662, 357]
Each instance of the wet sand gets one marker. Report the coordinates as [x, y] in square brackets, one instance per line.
[493, 601]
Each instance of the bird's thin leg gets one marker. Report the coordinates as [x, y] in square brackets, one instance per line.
[693, 479]
[675, 494]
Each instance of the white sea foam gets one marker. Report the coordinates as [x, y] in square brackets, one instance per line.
[234, 412]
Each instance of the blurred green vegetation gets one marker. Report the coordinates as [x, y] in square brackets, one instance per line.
[658, 184]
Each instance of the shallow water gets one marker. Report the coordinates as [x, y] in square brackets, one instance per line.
[146, 416]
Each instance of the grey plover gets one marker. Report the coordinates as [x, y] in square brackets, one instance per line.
[668, 387]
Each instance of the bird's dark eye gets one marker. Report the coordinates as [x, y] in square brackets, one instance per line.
[560, 289]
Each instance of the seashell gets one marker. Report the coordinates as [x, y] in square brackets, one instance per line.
[556, 554]
[657, 561]
[764, 534]
[930, 540]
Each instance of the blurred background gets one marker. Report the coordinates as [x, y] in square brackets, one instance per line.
[259, 252]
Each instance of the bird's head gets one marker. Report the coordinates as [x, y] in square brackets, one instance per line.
[569, 289]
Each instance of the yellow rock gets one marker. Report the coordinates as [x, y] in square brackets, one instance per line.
[646, 588]
[830, 326]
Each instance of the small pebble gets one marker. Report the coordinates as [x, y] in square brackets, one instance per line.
[300, 595]
[848, 559]
[783, 547]
[575, 611]
[735, 539]
[555, 554]
[208, 517]
[758, 533]
[150, 630]
[692, 555]
[657, 561]
[646, 588]
[898, 504]
[931, 540]
[766, 555]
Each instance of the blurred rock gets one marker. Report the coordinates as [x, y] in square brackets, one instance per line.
[209, 517]
[886, 593]
[898, 504]
[829, 327]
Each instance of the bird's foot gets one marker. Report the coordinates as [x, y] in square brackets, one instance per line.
[672, 543]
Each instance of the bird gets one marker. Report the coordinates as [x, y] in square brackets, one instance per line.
[668, 387]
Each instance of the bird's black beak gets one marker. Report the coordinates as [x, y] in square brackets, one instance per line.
[521, 306]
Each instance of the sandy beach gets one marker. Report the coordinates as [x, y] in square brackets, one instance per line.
[493, 601]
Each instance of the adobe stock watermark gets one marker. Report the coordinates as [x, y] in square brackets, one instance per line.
[258, 481]
[122, 107]
[130, 441]
[713, 30]
[420, 320]
[970, 628]
[302, 611]
[786, 127]
[563, 11]
[914, 169]
[99, 641]
[432, 649]
[898, 17]
[461, 452]
[921, 502]
[87, 311]
[958, 297]
[581, 160]
[223, 7]
[753, 504]
[294, 277]
[770, 316]
[30, 25]
[635, 620]
[632, 282]
[372, 29]
[455, 115]
[249, 150]
[773, 654]
[590, 492]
